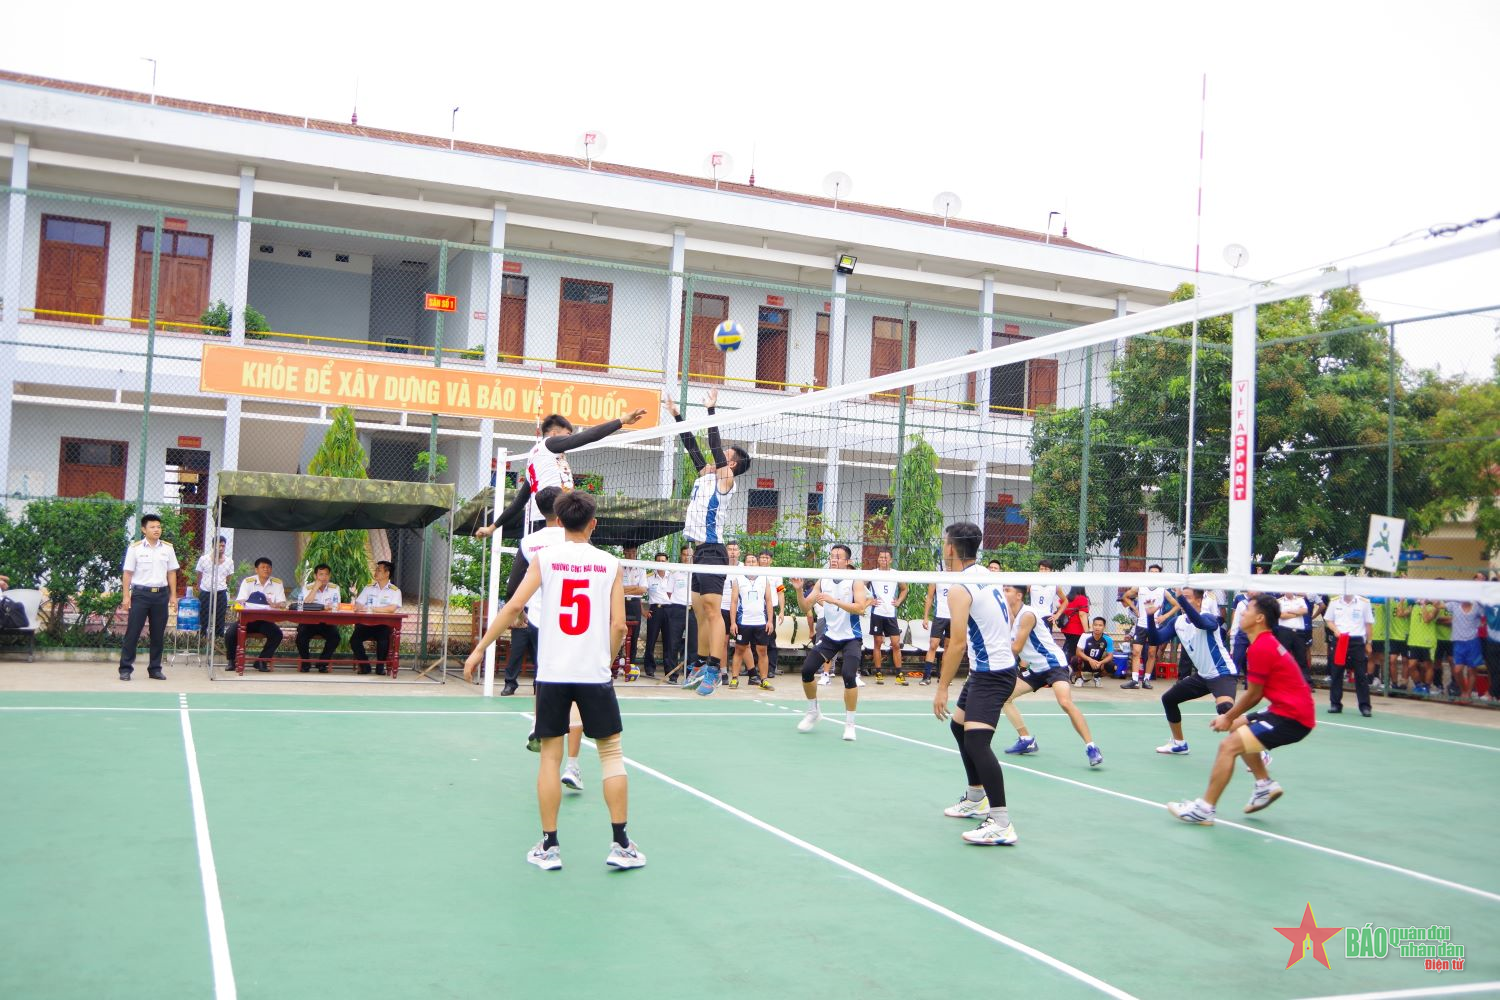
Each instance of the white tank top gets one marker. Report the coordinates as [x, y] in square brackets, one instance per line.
[989, 624]
[706, 510]
[573, 628]
[838, 624]
[544, 469]
[728, 596]
[940, 603]
[532, 544]
[884, 592]
[1041, 652]
[752, 599]
[1155, 595]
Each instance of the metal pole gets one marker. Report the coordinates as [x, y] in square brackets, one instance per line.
[492, 589]
[437, 362]
[683, 360]
[1390, 428]
[898, 476]
[1088, 440]
[140, 482]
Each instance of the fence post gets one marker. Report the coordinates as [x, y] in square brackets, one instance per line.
[140, 482]
[1088, 440]
[896, 483]
[432, 453]
[684, 361]
[1390, 426]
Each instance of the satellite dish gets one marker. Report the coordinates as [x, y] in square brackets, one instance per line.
[718, 164]
[947, 204]
[1236, 256]
[838, 185]
[593, 143]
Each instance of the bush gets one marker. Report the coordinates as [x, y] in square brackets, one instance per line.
[218, 317]
[73, 547]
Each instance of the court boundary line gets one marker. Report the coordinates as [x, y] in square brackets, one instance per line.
[208, 873]
[1457, 989]
[1413, 736]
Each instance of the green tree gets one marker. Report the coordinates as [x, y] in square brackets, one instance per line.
[339, 456]
[72, 547]
[918, 545]
[1460, 442]
[217, 318]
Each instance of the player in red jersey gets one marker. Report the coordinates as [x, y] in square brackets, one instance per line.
[1274, 675]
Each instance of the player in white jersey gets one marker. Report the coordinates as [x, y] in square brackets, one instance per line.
[752, 612]
[726, 603]
[844, 602]
[1045, 599]
[581, 623]
[888, 596]
[1196, 627]
[705, 524]
[1141, 601]
[982, 627]
[938, 624]
[1044, 665]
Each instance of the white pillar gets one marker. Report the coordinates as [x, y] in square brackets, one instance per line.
[831, 489]
[239, 296]
[10, 293]
[1242, 442]
[836, 330]
[492, 305]
[983, 418]
[671, 349]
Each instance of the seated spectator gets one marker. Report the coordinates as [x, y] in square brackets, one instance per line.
[326, 594]
[382, 595]
[263, 589]
[1095, 654]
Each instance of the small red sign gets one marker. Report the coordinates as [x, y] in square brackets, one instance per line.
[820, 487]
[1012, 329]
[189, 442]
[765, 484]
[441, 303]
[775, 300]
[511, 267]
[480, 314]
[173, 223]
[1005, 499]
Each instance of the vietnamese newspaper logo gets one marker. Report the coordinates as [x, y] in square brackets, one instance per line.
[1432, 945]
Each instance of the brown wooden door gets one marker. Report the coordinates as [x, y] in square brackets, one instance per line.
[820, 352]
[513, 319]
[885, 352]
[182, 290]
[583, 324]
[71, 270]
[761, 514]
[1041, 378]
[770, 347]
[705, 360]
[86, 466]
[1133, 549]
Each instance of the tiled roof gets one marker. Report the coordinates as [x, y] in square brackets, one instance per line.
[482, 149]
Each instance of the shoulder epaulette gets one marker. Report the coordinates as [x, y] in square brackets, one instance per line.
[274, 579]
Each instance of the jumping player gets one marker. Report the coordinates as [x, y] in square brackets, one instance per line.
[704, 525]
[844, 602]
[1043, 665]
[1275, 675]
[939, 625]
[1197, 628]
[579, 637]
[982, 622]
[883, 625]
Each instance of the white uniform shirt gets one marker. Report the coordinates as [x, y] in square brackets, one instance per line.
[632, 576]
[573, 629]
[884, 592]
[681, 590]
[530, 546]
[989, 630]
[213, 576]
[1041, 652]
[752, 599]
[1155, 596]
[838, 624]
[1352, 616]
[1297, 603]
[150, 563]
[940, 603]
[707, 507]
[543, 469]
[272, 590]
[658, 587]
[1240, 602]
[375, 597]
[327, 596]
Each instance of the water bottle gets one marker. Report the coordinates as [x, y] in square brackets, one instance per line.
[187, 614]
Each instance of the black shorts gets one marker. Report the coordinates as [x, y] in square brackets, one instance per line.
[754, 635]
[940, 628]
[1140, 637]
[710, 554]
[831, 649]
[1195, 685]
[729, 629]
[984, 695]
[1419, 654]
[1039, 679]
[596, 703]
[1275, 730]
[1396, 646]
[1444, 649]
[881, 625]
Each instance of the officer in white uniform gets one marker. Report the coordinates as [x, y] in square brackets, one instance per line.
[150, 586]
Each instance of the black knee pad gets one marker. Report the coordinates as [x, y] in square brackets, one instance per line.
[957, 728]
[1223, 706]
[977, 742]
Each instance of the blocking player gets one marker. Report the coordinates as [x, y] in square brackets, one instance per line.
[1043, 665]
[704, 524]
[843, 602]
[1139, 601]
[939, 625]
[752, 612]
[888, 596]
[982, 622]
[1276, 676]
[1196, 627]
[582, 624]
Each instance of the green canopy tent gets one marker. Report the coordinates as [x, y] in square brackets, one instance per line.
[274, 501]
[622, 520]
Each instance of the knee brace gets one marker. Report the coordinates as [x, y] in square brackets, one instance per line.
[611, 758]
[1223, 706]
[1169, 705]
[977, 742]
[957, 729]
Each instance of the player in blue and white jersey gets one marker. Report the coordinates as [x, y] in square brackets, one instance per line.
[1196, 627]
[1044, 665]
[844, 602]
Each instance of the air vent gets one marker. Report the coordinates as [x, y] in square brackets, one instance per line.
[267, 248]
[305, 254]
[414, 265]
[341, 258]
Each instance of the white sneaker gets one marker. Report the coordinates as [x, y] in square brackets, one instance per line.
[1265, 760]
[989, 833]
[1173, 747]
[968, 809]
[548, 859]
[1194, 811]
[848, 732]
[809, 720]
[824, 679]
[625, 857]
[859, 681]
[1078, 682]
[572, 779]
[1263, 796]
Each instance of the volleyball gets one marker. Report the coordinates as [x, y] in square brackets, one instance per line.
[727, 335]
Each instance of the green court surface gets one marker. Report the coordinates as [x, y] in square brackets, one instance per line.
[367, 847]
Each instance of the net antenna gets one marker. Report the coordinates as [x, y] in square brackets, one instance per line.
[718, 164]
[594, 144]
[1192, 427]
[947, 204]
[838, 185]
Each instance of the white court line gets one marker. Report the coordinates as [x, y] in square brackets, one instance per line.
[213, 905]
[1421, 876]
[1413, 736]
[1429, 991]
[484, 713]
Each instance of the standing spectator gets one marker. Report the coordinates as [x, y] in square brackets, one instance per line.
[1349, 618]
[1045, 598]
[680, 624]
[777, 602]
[1398, 628]
[213, 571]
[382, 595]
[634, 580]
[1492, 644]
[1442, 656]
[658, 598]
[1292, 633]
[326, 595]
[1139, 602]
[150, 586]
[265, 589]
[1070, 621]
[1421, 643]
[1468, 651]
[1239, 642]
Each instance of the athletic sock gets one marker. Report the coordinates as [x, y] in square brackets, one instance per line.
[812, 706]
[619, 833]
[849, 718]
[549, 839]
[572, 763]
[1001, 816]
[975, 793]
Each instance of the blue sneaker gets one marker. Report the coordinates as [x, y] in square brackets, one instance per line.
[1026, 744]
[1095, 756]
[710, 681]
[694, 677]
[1173, 748]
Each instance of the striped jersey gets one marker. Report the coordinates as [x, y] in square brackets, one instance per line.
[1041, 652]
[884, 592]
[544, 469]
[989, 623]
[752, 610]
[838, 624]
[706, 509]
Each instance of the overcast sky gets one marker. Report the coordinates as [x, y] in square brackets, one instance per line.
[1332, 128]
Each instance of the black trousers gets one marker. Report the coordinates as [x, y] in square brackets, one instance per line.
[1356, 662]
[379, 634]
[522, 640]
[219, 602]
[681, 621]
[633, 635]
[1294, 641]
[272, 635]
[656, 631]
[306, 634]
[145, 606]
